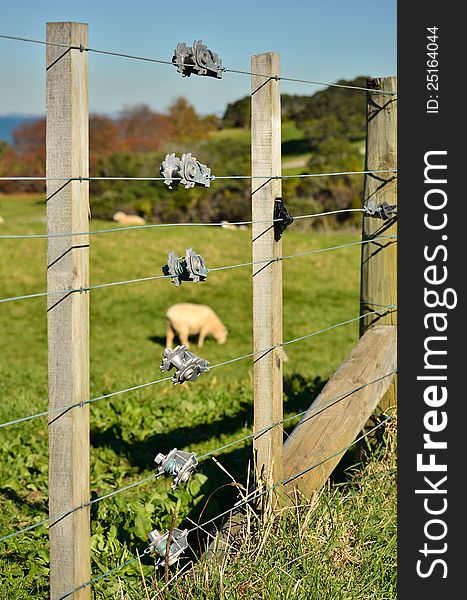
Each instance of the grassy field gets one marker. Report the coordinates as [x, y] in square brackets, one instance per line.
[127, 338]
[296, 149]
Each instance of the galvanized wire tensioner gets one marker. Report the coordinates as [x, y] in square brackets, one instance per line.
[383, 211]
[186, 170]
[190, 267]
[178, 464]
[178, 544]
[188, 366]
[198, 60]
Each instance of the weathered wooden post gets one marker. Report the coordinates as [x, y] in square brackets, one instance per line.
[379, 259]
[68, 314]
[366, 378]
[339, 413]
[267, 278]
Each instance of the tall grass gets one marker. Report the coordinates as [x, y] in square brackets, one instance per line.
[340, 544]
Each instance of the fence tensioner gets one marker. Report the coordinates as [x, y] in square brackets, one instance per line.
[188, 366]
[178, 544]
[190, 267]
[383, 211]
[178, 464]
[186, 170]
[198, 60]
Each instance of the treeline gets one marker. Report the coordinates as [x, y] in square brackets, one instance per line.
[137, 130]
[133, 144]
[335, 112]
[332, 122]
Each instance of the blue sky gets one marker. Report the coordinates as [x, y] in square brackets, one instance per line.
[317, 39]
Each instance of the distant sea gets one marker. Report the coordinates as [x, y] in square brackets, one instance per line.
[10, 122]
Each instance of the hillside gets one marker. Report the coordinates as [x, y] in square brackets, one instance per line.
[320, 133]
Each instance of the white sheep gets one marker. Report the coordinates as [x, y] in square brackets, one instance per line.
[125, 219]
[187, 319]
[2, 220]
[227, 225]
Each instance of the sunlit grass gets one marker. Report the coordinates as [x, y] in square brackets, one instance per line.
[127, 338]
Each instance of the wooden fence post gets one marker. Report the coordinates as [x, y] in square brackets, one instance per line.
[339, 413]
[267, 278]
[379, 259]
[68, 314]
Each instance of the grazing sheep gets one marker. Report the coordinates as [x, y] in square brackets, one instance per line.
[227, 225]
[190, 319]
[2, 220]
[125, 219]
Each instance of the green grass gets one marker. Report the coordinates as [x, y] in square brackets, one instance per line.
[238, 134]
[127, 338]
[340, 545]
[290, 133]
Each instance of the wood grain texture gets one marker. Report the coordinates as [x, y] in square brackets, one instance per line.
[68, 315]
[379, 259]
[267, 278]
[338, 424]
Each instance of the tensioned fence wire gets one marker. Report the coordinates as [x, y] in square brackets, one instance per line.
[82, 48]
[211, 177]
[245, 502]
[65, 408]
[132, 485]
[372, 239]
[221, 224]
[158, 225]
[285, 481]
[258, 494]
[202, 457]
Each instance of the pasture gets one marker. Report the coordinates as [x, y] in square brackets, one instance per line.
[127, 431]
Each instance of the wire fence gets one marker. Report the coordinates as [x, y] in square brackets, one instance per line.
[249, 499]
[211, 177]
[309, 415]
[221, 224]
[67, 407]
[202, 457]
[81, 290]
[81, 48]
[305, 415]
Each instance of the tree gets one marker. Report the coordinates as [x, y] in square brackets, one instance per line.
[186, 123]
[143, 130]
[29, 140]
[237, 114]
[347, 107]
[318, 131]
[104, 136]
[336, 154]
[3, 146]
[26, 157]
